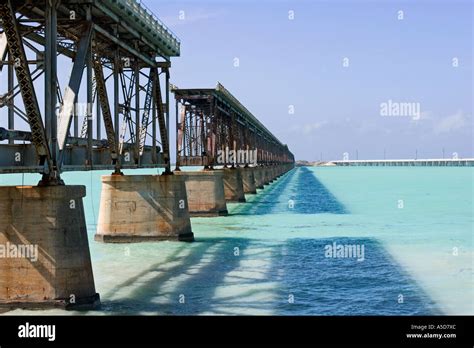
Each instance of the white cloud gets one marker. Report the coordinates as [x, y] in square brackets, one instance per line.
[190, 17]
[424, 116]
[308, 128]
[451, 123]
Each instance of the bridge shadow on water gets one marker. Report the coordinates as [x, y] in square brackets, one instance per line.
[231, 276]
[191, 276]
[298, 192]
[323, 285]
[265, 274]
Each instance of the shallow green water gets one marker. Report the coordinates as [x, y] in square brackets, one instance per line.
[268, 256]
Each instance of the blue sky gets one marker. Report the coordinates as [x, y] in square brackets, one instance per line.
[299, 63]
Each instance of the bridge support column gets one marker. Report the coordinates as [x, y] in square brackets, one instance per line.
[205, 192]
[233, 185]
[276, 171]
[248, 180]
[272, 170]
[44, 251]
[258, 175]
[279, 170]
[141, 208]
[267, 175]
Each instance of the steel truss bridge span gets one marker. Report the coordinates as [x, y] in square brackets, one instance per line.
[211, 122]
[123, 53]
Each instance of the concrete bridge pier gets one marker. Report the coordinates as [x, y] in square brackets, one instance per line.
[233, 185]
[248, 180]
[45, 260]
[286, 168]
[281, 170]
[274, 172]
[264, 175]
[268, 179]
[258, 175]
[141, 208]
[205, 192]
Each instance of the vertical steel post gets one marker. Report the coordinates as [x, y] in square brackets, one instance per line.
[50, 90]
[89, 96]
[75, 118]
[89, 110]
[153, 127]
[167, 89]
[116, 93]
[189, 133]
[167, 119]
[11, 103]
[177, 138]
[137, 112]
[211, 136]
[98, 117]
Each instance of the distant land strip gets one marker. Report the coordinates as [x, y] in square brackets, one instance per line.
[435, 162]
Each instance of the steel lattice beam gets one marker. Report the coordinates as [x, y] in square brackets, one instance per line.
[106, 112]
[72, 90]
[113, 41]
[18, 56]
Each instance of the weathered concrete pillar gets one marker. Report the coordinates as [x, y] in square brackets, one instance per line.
[140, 208]
[276, 171]
[258, 175]
[273, 173]
[233, 185]
[267, 175]
[263, 173]
[44, 251]
[280, 170]
[248, 180]
[205, 192]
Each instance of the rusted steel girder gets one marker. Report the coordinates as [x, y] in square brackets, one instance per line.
[214, 128]
[100, 45]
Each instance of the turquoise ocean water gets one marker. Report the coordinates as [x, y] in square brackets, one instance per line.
[268, 256]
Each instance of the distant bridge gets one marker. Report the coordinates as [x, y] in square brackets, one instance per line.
[436, 162]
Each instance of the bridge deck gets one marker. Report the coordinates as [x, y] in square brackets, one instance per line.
[128, 23]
